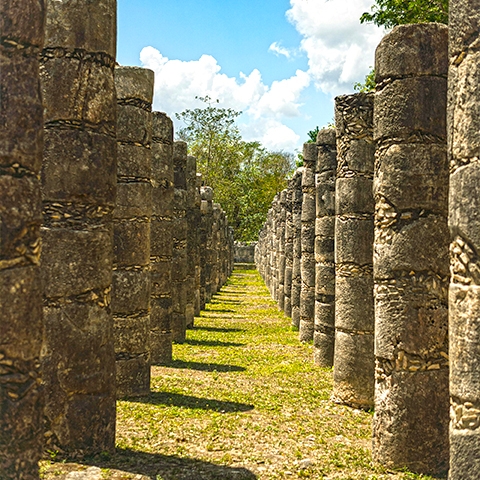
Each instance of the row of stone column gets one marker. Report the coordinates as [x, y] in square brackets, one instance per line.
[88, 177]
[381, 248]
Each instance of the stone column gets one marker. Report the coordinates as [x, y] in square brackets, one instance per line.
[179, 264]
[22, 28]
[464, 324]
[199, 244]
[324, 334]
[132, 216]
[287, 304]
[282, 216]
[411, 250]
[192, 230]
[307, 264]
[161, 243]
[79, 187]
[297, 197]
[354, 360]
[207, 225]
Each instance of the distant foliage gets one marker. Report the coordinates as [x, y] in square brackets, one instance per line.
[389, 13]
[368, 85]
[244, 175]
[312, 135]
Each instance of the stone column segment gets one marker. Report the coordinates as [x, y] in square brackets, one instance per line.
[179, 265]
[161, 241]
[324, 334]
[79, 187]
[307, 264]
[287, 307]
[411, 250]
[464, 204]
[132, 216]
[297, 246]
[354, 361]
[192, 230]
[22, 29]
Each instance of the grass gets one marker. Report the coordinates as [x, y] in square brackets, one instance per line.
[241, 400]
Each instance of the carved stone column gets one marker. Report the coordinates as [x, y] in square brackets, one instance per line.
[354, 361]
[132, 216]
[324, 334]
[161, 242]
[179, 266]
[464, 205]
[22, 28]
[411, 250]
[79, 186]
[307, 264]
[297, 197]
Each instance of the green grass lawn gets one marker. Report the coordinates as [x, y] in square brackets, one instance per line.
[241, 400]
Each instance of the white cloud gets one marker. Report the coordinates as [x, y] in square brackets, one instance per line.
[177, 83]
[339, 48]
[278, 50]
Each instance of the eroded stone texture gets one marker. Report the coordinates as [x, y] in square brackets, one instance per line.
[324, 334]
[197, 215]
[354, 361]
[79, 189]
[179, 265]
[464, 298]
[307, 264]
[282, 217]
[161, 243]
[22, 27]
[297, 197]
[206, 210]
[192, 241]
[287, 289]
[132, 216]
[411, 250]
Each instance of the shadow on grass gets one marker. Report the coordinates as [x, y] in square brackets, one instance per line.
[170, 399]
[218, 329]
[168, 467]
[219, 310]
[203, 367]
[212, 343]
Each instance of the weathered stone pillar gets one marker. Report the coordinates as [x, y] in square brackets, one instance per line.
[324, 335]
[354, 360]
[132, 216]
[199, 245]
[411, 250]
[307, 264]
[287, 304]
[179, 265]
[297, 197]
[192, 230]
[464, 302]
[282, 216]
[206, 253]
[79, 186]
[161, 243]
[22, 29]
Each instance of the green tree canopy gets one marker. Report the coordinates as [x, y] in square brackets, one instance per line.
[389, 13]
[244, 176]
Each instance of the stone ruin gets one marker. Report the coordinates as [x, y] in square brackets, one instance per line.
[89, 171]
[134, 246]
[391, 201]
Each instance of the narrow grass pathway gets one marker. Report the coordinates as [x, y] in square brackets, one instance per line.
[241, 400]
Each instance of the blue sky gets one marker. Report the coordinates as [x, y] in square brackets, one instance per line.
[281, 62]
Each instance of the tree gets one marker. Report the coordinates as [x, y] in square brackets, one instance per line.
[389, 13]
[312, 135]
[244, 176]
[368, 85]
